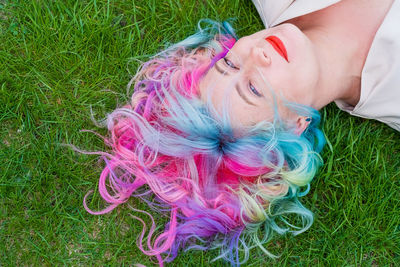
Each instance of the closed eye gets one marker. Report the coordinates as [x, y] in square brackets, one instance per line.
[254, 90]
[230, 64]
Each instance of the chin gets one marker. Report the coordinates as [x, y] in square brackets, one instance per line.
[293, 38]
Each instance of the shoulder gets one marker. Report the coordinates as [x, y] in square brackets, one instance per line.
[270, 10]
[273, 12]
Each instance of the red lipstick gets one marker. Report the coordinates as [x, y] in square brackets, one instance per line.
[278, 45]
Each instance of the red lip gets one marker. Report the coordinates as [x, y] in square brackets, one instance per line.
[278, 45]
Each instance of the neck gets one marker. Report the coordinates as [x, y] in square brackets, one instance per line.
[341, 56]
[337, 68]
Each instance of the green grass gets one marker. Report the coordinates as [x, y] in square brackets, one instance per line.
[58, 59]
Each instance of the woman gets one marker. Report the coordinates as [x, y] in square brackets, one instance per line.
[224, 132]
[320, 52]
[224, 185]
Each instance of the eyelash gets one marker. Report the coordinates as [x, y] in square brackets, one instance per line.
[230, 64]
[254, 90]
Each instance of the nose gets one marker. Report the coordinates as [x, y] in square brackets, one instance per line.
[259, 56]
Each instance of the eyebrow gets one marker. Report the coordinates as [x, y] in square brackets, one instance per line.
[238, 89]
[218, 68]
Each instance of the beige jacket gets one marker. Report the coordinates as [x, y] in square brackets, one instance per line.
[380, 79]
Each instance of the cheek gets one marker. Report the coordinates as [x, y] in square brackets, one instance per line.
[299, 82]
[307, 69]
[306, 81]
[303, 72]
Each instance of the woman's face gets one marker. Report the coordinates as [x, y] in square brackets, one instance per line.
[256, 69]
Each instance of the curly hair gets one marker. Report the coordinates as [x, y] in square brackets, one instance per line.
[221, 190]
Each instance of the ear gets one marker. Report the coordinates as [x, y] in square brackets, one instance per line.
[302, 124]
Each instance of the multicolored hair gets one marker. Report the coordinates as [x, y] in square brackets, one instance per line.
[221, 190]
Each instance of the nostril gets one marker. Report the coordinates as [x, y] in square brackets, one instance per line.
[266, 57]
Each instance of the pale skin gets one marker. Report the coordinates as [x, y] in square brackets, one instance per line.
[326, 53]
